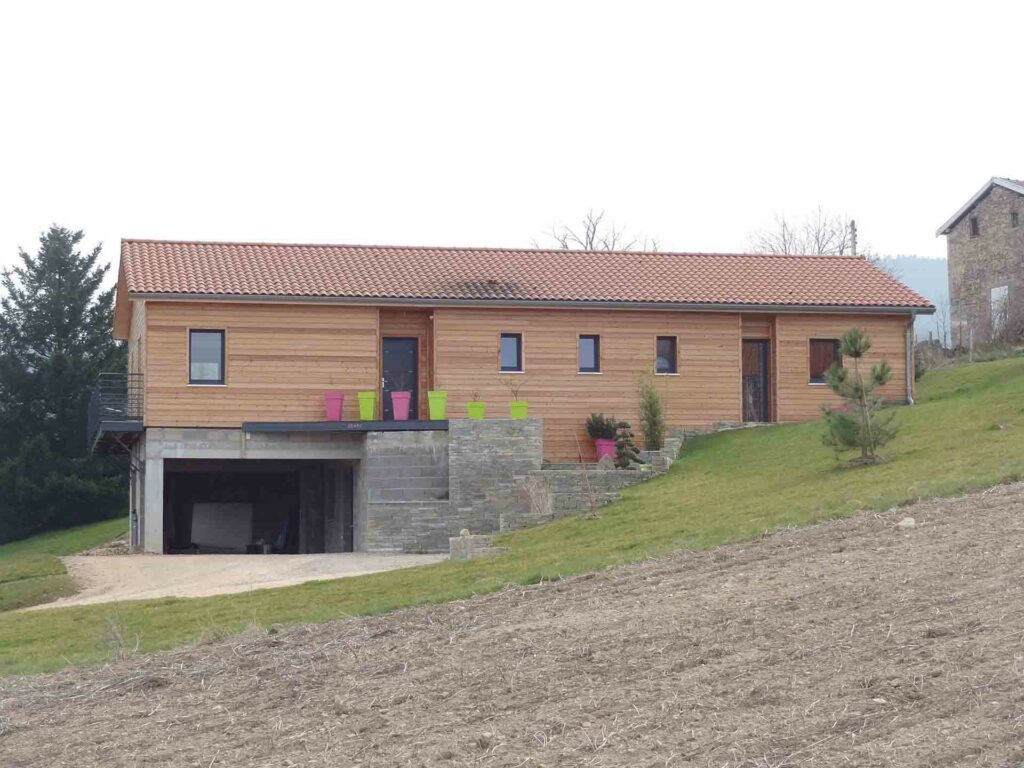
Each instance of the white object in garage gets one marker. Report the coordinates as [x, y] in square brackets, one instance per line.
[224, 526]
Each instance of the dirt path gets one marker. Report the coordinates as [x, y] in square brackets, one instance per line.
[853, 643]
[105, 579]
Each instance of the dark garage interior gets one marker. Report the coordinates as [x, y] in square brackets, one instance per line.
[243, 506]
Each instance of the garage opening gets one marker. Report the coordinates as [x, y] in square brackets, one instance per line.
[258, 506]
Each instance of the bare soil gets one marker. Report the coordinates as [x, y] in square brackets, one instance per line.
[852, 643]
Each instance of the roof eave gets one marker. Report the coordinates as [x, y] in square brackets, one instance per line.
[993, 182]
[540, 303]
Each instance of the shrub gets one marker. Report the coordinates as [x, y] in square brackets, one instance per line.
[652, 414]
[859, 425]
[626, 453]
[601, 427]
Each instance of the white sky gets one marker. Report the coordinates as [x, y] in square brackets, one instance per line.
[433, 123]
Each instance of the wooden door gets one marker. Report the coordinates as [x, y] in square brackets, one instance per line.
[756, 380]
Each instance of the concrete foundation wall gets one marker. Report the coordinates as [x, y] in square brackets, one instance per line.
[412, 491]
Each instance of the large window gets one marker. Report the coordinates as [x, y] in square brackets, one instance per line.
[824, 352]
[590, 354]
[666, 360]
[206, 357]
[511, 352]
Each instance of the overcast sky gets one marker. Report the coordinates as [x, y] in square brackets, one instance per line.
[433, 123]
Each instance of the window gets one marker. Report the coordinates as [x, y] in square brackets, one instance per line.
[590, 354]
[975, 229]
[998, 301]
[1014, 219]
[206, 357]
[824, 352]
[512, 352]
[666, 361]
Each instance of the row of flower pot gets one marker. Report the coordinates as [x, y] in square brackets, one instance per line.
[400, 402]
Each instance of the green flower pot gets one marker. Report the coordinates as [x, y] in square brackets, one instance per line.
[438, 402]
[475, 409]
[517, 409]
[367, 406]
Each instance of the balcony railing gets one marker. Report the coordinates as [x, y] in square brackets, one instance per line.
[116, 401]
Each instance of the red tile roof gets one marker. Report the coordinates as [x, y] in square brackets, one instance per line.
[496, 274]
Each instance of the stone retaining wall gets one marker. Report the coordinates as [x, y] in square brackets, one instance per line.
[548, 494]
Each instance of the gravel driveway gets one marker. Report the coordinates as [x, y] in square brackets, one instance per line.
[104, 579]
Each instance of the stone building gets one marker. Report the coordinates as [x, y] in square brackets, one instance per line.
[985, 246]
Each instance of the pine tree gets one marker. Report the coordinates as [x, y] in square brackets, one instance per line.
[55, 337]
[860, 425]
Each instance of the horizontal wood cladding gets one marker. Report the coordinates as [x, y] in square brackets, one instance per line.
[280, 359]
[757, 326]
[706, 389]
[797, 399]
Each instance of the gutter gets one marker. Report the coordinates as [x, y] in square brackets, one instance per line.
[532, 303]
[908, 362]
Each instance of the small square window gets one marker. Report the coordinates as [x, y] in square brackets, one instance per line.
[590, 354]
[666, 360]
[975, 227]
[511, 352]
[205, 357]
[824, 352]
[1014, 219]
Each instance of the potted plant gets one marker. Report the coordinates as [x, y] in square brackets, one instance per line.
[367, 405]
[517, 409]
[401, 397]
[334, 402]
[437, 403]
[602, 431]
[475, 407]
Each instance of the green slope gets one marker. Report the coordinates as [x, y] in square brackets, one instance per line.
[967, 432]
[31, 571]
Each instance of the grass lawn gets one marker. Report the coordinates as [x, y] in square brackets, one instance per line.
[967, 432]
[31, 571]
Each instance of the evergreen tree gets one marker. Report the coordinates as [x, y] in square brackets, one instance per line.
[860, 425]
[55, 338]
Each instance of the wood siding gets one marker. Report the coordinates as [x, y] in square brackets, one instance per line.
[797, 399]
[706, 389]
[280, 359]
[414, 323]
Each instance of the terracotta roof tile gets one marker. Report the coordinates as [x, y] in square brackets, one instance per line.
[486, 274]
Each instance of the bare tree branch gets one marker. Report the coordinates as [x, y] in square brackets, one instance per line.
[593, 234]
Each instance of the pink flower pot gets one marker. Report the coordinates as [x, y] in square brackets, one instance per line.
[333, 403]
[604, 448]
[400, 405]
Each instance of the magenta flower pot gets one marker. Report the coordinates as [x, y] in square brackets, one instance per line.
[400, 405]
[604, 448]
[333, 403]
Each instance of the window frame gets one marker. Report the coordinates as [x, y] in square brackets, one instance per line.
[520, 352]
[222, 381]
[675, 355]
[837, 357]
[596, 337]
[973, 227]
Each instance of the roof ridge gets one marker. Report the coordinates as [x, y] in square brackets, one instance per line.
[489, 249]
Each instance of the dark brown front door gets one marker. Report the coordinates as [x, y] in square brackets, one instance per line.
[756, 387]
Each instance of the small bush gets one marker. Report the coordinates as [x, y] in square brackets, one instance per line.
[601, 427]
[652, 415]
[626, 453]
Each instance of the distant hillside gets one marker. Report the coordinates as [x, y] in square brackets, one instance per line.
[928, 278]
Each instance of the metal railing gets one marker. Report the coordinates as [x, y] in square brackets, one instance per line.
[116, 397]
